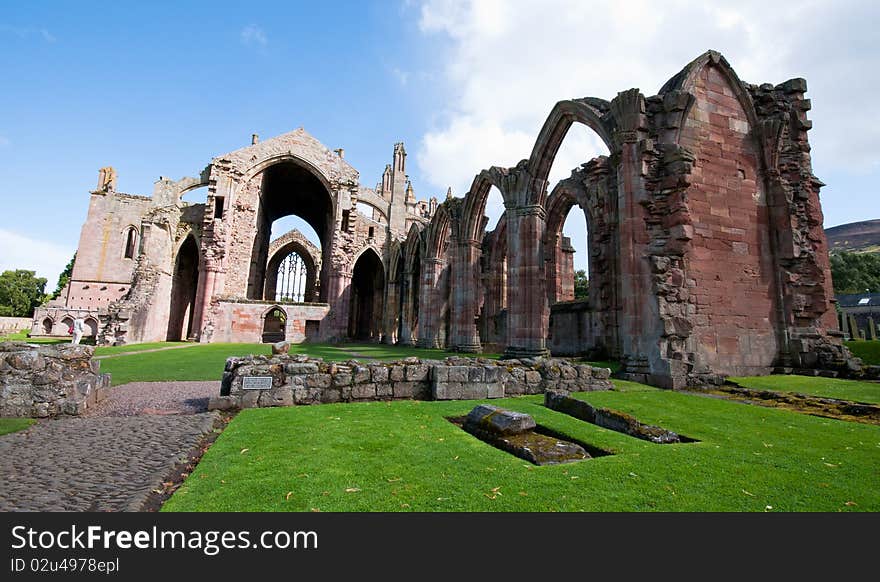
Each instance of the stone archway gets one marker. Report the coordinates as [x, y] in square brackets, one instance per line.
[183, 291]
[367, 297]
[274, 325]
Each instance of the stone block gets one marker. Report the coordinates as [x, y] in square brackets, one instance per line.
[384, 390]
[342, 378]
[441, 373]
[402, 389]
[282, 396]
[492, 373]
[379, 373]
[494, 390]
[397, 373]
[416, 372]
[475, 374]
[306, 396]
[458, 374]
[601, 373]
[296, 369]
[250, 399]
[500, 421]
[223, 403]
[514, 387]
[366, 391]
[318, 380]
[330, 395]
[532, 377]
[360, 374]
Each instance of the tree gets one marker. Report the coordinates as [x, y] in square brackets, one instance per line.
[20, 292]
[581, 284]
[64, 277]
[856, 272]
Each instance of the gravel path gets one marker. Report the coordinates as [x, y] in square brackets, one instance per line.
[94, 464]
[137, 398]
[110, 458]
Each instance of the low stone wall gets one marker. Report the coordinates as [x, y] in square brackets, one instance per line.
[285, 380]
[14, 324]
[49, 380]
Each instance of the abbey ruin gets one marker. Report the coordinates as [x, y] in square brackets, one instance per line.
[706, 250]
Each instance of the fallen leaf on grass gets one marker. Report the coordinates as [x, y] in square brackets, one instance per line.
[316, 510]
[443, 498]
[352, 490]
[243, 451]
[850, 503]
[394, 479]
[523, 493]
[830, 465]
[747, 493]
[494, 493]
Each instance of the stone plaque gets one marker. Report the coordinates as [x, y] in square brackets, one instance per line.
[256, 383]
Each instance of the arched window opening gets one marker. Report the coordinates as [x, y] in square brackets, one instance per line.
[47, 326]
[130, 242]
[292, 276]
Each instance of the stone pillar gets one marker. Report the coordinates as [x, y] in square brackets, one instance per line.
[334, 327]
[204, 295]
[527, 308]
[404, 326]
[392, 305]
[465, 287]
[430, 302]
[565, 270]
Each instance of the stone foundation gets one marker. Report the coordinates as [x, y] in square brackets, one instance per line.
[48, 381]
[298, 380]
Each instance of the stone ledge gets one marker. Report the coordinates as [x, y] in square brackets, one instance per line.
[301, 380]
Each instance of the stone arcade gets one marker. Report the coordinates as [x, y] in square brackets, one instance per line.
[706, 249]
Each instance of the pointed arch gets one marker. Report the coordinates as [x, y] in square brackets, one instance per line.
[590, 111]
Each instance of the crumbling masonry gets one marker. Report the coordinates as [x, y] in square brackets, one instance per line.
[706, 249]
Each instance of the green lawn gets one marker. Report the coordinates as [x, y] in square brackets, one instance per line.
[868, 351]
[22, 336]
[815, 386]
[8, 425]
[405, 456]
[200, 362]
[206, 361]
[129, 348]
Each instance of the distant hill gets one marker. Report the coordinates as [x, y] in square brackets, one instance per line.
[856, 237]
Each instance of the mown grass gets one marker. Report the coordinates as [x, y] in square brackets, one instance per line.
[200, 362]
[131, 348]
[22, 336]
[815, 386]
[868, 351]
[8, 425]
[206, 361]
[405, 456]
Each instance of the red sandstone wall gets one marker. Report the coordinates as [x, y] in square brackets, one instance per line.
[731, 261]
[102, 274]
[243, 322]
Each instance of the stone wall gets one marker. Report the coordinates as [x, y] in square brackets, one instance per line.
[49, 380]
[298, 380]
[13, 324]
[242, 320]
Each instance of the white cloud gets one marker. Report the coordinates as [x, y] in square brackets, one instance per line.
[28, 31]
[253, 35]
[402, 77]
[48, 259]
[506, 63]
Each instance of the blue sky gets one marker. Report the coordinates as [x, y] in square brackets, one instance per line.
[158, 88]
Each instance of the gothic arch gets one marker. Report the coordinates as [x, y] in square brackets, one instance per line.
[590, 111]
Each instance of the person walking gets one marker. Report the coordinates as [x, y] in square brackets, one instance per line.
[78, 329]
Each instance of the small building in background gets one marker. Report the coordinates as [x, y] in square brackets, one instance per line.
[859, 315]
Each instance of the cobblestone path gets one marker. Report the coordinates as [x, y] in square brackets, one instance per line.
[111, 458]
